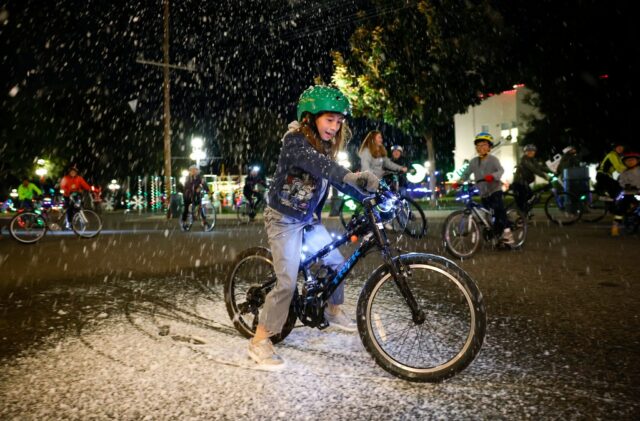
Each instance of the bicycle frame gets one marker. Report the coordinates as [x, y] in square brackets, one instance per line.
[371, 228]
[479, 212]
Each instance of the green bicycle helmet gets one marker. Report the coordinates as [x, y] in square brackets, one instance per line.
[483, 137]
[320, 98]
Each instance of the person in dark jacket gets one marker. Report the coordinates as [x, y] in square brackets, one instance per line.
[526, 172]
[569, 160]
[398, 158]
[306, 167]
[194, 188]
[252, 184]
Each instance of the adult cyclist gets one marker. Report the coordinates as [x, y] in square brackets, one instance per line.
[194, 186]
[72, 183]
[611, 163]
[250, 189]
[26, 193]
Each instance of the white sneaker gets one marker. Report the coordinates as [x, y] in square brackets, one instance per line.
[340, 321]
[507, 237]
[265, 355]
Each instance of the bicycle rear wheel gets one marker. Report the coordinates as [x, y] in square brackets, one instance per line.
[251, 278]
[438, 342]
[595, 206]
[461, 234]
[86, 223]
[563, 208]
[410, 219]
[519, 227]
[27, 227]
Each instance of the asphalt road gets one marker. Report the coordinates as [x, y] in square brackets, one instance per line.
[81, 324]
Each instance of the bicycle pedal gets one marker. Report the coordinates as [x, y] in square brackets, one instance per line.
[323, 325]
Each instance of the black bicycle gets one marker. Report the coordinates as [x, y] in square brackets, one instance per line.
[202, 209]
[420, 316]
[410, 218]
[560, 207]
[245, 211]
[465, 229]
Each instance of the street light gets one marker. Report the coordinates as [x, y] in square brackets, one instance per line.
[113, 186]
[197, 153]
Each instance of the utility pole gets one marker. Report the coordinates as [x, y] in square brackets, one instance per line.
[167, 109]
[166, 114]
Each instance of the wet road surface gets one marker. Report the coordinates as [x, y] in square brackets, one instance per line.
[562, 342]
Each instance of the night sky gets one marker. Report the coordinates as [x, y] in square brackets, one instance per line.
[71, 70]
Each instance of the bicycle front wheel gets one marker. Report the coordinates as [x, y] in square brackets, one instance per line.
[595, 206]
[563, 208]
[86, 223]
[251, 278]
[209, 214]
[27, 227]
[461, 234]
[410, 219]
[445, 334]
[243, 213]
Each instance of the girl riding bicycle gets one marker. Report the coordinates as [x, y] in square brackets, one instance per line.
[305, 169]
[373, 156]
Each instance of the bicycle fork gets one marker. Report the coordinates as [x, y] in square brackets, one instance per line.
[399, 272]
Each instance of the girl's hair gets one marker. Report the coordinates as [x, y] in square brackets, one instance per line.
[377, 151]
[310, 131]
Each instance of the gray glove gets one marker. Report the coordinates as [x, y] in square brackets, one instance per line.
[364, 180]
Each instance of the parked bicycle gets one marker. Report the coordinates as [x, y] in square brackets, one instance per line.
[465, 229]
[30, 226]
[560, 207]
[410, 218]
[420, 316]
[245, 211]
[206, 212]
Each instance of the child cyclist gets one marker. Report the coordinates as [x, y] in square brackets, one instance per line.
[487, 171]
[630, 183]
[305, 169]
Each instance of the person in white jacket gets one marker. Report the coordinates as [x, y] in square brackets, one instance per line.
[373, 156]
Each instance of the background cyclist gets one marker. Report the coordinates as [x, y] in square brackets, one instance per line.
[525, 174]
[612, 162]
[194, 186]
[487, 168]
[398, 158]
[251, 188]
[630, 183]
[70, 184]
[26, 193]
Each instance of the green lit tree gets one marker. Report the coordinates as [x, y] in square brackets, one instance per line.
[419, 64]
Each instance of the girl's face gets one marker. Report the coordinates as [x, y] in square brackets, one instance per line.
[328, 124]
[631, 162]
[378, 139]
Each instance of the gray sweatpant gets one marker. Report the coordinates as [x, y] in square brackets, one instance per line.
[285, 239]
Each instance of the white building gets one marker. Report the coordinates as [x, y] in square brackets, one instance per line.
[503, 116]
